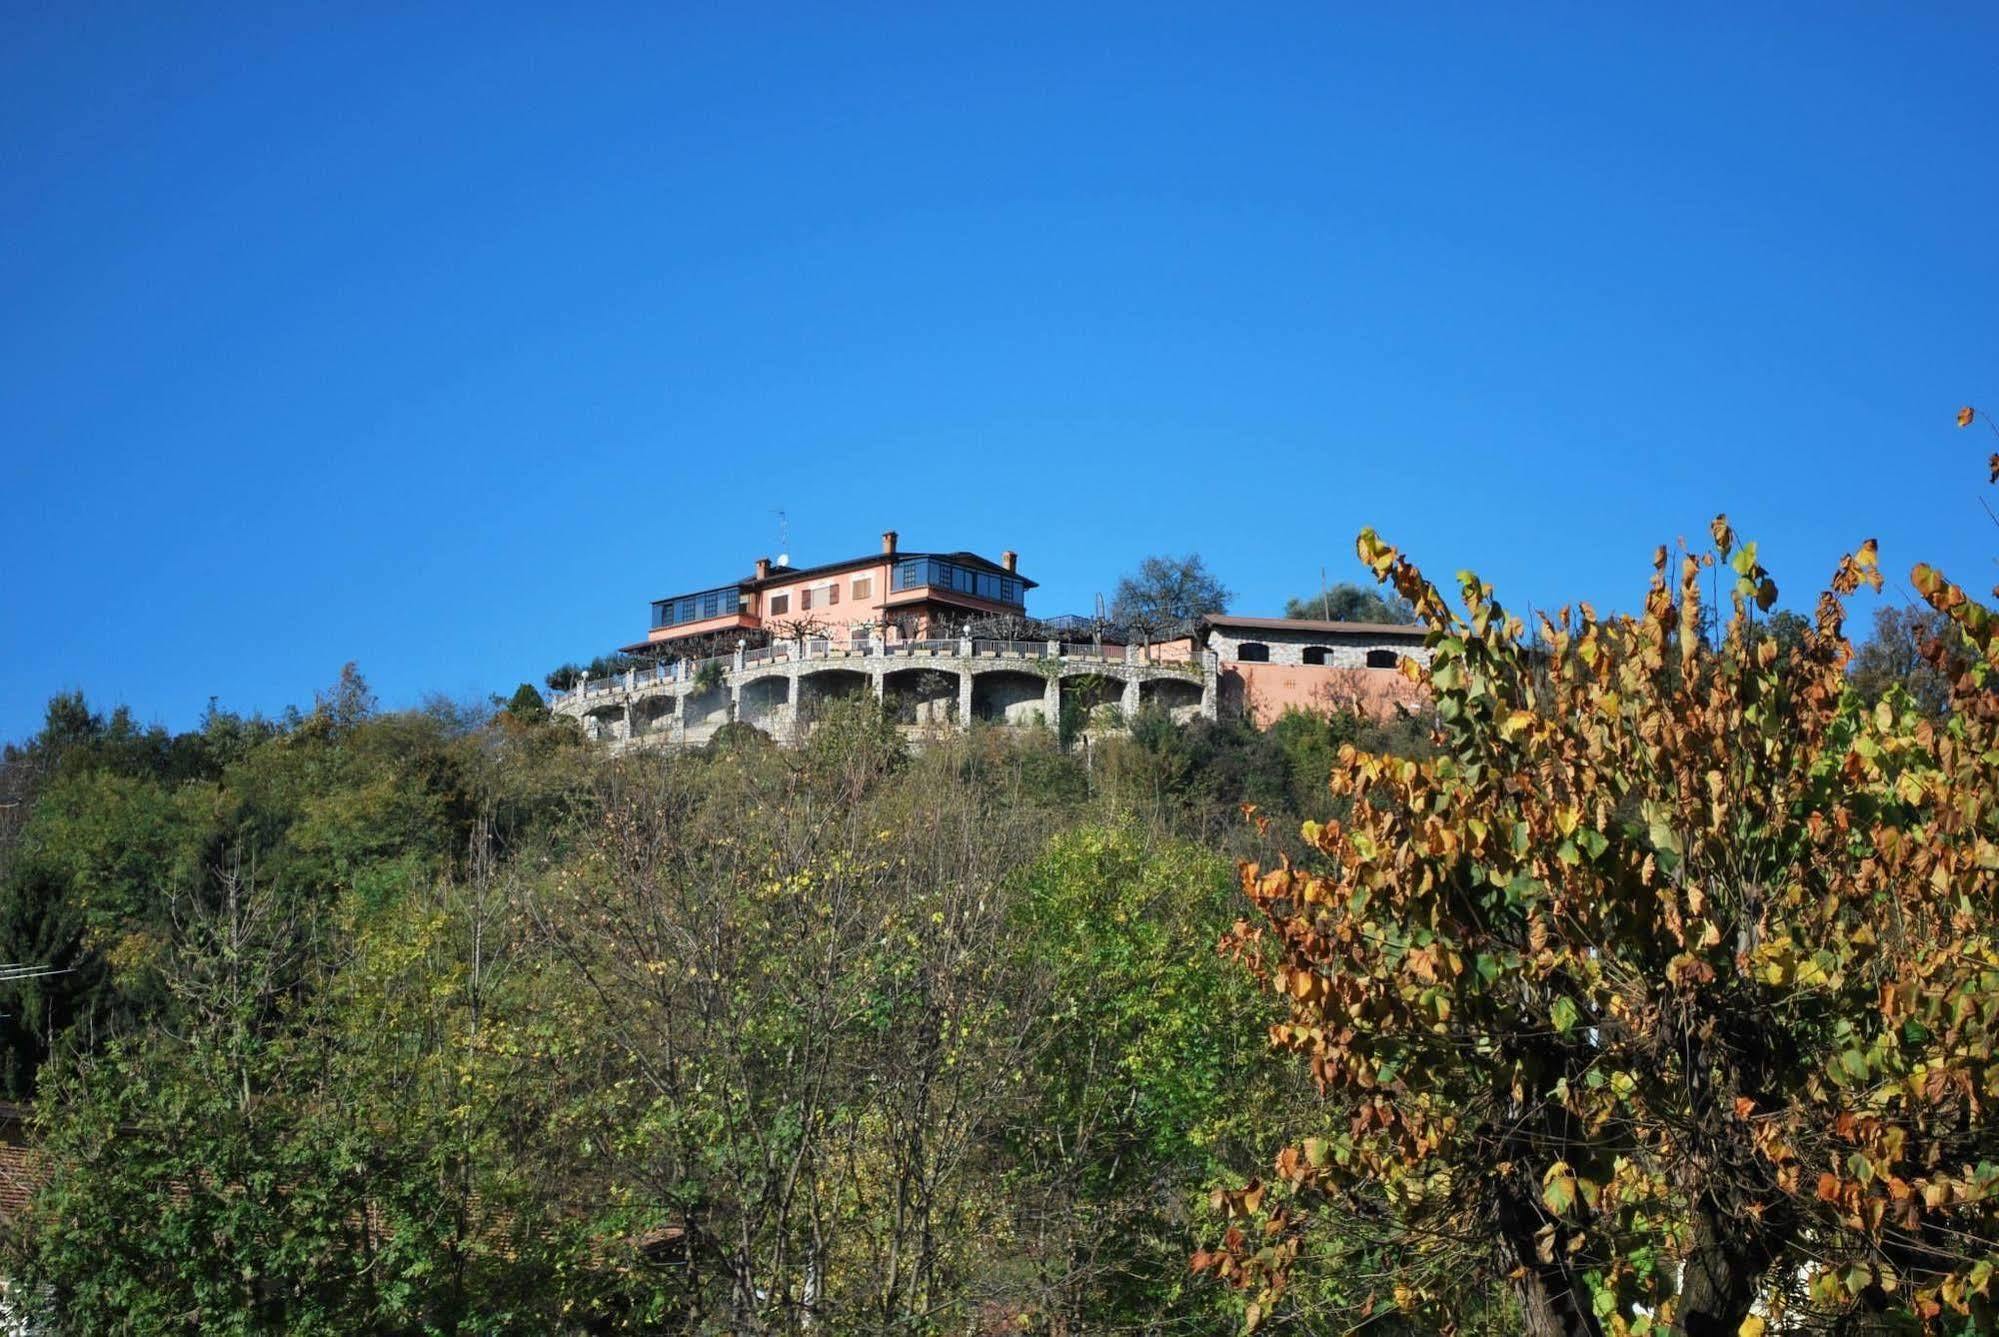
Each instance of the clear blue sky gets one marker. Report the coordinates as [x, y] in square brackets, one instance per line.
[443, 339]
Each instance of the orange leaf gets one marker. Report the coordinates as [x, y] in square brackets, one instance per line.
[1965, 416]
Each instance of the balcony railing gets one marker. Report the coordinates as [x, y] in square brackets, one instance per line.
[823, 648]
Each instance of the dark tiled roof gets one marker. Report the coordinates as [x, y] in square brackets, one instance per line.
[1308, 626]
[781, 574]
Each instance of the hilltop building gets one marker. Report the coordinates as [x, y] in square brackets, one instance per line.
[943, 639]
[903, 596]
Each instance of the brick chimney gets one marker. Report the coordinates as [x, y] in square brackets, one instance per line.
[1010, 560]
[888, 543]
[763, 567]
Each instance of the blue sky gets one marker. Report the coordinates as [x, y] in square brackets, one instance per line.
[443, 339]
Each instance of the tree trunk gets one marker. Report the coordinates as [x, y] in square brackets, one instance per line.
[1549, 1305]
[1718, 1282]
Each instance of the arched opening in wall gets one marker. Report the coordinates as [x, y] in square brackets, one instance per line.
[605, 724]
[1318, 654]
[1005, 696]
[817, 691]
[760, 700]
[707, 708]
[1253, 652]
[652, 715]
[921, 696]
[1383, 659]
[1180, 698]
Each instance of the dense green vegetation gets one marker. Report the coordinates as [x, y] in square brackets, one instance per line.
[443, 1021]
[440, 1020]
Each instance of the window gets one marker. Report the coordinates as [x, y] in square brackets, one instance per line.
[1383, 659]
[864, 588]
[916, 572]
[1253, 652]
[833, 594]
[1317, 654]
[696, 607]
[780, 604]
[805, 601]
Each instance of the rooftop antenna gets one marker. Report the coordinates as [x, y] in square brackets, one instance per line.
[783, 538]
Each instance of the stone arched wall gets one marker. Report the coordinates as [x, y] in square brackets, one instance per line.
[921, 695]
[1009, 696]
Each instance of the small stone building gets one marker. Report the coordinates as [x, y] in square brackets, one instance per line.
[1267, 665]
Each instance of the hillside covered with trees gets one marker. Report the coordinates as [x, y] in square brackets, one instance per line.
[1646, 985]
[439, 1020]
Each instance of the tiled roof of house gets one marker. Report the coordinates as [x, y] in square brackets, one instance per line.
[782, 574]
[1311, 627]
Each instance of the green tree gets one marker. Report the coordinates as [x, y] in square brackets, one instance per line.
[1149, 1085]
[1165, 591]
[1912, 649]
[526, 705]
[1348, 602]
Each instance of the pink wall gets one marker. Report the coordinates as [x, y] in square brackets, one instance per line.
[837, 616]
[1270, 689]
[726, 622]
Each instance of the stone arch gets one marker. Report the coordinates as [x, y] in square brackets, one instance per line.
[1252, 652]
[921, 695]
[822, 687]
[1180, 698]
[708, 710]
[1088, 692]
[652, 714]
[761, 701]
[1009, 696]
[605, 724]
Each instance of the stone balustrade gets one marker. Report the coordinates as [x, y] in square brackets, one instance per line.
[777, 688]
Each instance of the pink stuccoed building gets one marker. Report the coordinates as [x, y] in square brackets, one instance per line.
[903, 596]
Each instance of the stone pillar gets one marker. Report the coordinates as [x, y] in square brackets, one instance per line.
[878, 676]
[965, 646]
[1211, 676]
[740, 648]
[964, 698]
[1054, 649]
[631, 722]
[677, 724]
[1128, 702]
[1051, 700]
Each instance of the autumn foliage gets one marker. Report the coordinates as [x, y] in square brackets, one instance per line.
[1666, 993]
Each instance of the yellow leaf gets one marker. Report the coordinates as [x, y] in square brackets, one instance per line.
[1965, 416]
[1558, 1187]
[1751, 1327]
